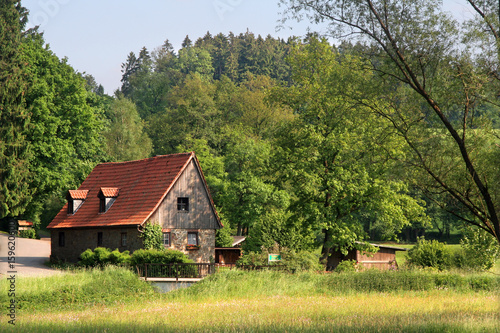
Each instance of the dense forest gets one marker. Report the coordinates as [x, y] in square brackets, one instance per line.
[303, 143]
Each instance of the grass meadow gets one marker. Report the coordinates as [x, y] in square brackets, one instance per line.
[115, 300]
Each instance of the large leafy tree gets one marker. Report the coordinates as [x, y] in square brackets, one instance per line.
[334, 156]
[65, 130]
[125, 136]
[436, 90]
[15, 152]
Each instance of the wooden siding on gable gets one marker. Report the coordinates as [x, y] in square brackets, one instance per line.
[200, 214]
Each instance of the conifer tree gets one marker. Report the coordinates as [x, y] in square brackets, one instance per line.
[14, 118]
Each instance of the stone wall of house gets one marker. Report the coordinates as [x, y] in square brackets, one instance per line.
[78, 240]
[206, 242]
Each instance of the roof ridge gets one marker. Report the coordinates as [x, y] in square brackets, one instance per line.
[148, 158]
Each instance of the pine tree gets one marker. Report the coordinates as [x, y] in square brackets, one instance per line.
[14, 118]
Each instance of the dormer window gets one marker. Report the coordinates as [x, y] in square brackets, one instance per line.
[75, 199]
[107, 196]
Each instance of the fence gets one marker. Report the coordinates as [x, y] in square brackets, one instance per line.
[196, 271]
[177, 271]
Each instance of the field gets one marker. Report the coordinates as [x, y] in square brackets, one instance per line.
[114, 300]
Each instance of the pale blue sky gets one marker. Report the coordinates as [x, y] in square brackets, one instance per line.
[97, 35]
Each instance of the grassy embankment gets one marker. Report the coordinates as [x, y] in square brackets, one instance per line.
[114, 300]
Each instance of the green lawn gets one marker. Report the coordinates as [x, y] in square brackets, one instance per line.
[114, 300]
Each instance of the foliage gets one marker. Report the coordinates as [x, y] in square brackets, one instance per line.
[29, 233]
[479, 250]
[336, 154]
[152, 236]
[223, 237]
[437, 80]
[102, 256]
[124, 135]
[348, 266]
[291, 260]
[15, 151]
[154, 256]
[430, 253]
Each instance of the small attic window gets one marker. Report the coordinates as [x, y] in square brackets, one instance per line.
[107, 196]
[75, 198]
[183, 204]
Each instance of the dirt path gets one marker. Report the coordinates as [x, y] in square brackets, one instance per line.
[30, 256]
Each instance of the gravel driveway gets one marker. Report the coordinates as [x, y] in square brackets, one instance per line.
[30, 256]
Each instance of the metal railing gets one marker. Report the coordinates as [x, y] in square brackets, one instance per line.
[177, 271]
[195, 270]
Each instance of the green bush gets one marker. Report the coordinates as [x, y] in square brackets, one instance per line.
[479, 251]
[101, 257]
[348, 266]
[291, 261]
[165, 256]
[301, 261]
[30, 233]
[429, 254]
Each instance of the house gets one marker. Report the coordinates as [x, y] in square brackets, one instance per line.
[384, 258]
[229, 255]
[24, 225]
[113, 204]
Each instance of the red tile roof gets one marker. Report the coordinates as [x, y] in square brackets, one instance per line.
[143, 184]
[110, 192]
[78, 194]
[24, 223]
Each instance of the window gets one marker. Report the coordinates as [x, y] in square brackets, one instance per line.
[166, 239]
[62, 240]
[71, 210]
[75, 200]
[183, 204]
[192, 238]
[105, 204]
[124, 239]
[99, 239]
[102, 205]
[107, 196]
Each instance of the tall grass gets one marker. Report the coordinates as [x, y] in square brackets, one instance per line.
[115, 300]
[238, 284]
[78, 289]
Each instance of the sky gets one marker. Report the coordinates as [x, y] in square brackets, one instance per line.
[97, 35]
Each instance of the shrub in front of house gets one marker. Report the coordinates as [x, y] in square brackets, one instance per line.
[102, 256]
[142, 257]
[164, 256]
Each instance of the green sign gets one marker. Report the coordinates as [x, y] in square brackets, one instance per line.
[274, 257]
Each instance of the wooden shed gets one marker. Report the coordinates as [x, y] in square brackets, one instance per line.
[24, 225]
[229, 255]
[385, 258]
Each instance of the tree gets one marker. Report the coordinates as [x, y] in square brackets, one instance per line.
[65, 131]
[334, 156]
[15, 152]
[250, 197]
[416, 48]
[125, 138]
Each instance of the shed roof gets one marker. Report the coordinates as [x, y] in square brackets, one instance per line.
[387, 246]
[142, 185]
